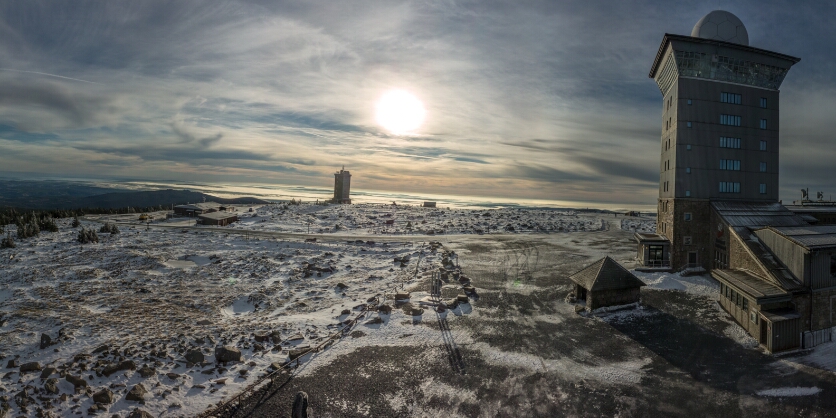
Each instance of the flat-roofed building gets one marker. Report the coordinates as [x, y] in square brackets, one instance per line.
[195, 209]
[218, 218]
[342, 187]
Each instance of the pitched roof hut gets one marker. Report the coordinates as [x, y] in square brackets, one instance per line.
[606, 283]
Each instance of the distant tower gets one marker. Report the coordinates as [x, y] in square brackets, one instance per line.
[719, 129]
[342, 186]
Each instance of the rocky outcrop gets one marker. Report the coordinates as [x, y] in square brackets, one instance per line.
[227, 353]
[137, 393]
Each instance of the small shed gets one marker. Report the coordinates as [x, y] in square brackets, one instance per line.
[429, 204]
[606, 283]
[217, 218]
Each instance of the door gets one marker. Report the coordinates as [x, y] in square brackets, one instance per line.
[655, 255]
[692, 258]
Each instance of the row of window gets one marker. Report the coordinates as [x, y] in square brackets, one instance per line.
[730, 165]
[739, 300]
[734, 187]
[725, 97]
[734, 120]
[726, 142]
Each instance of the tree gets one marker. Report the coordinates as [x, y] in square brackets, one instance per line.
[76, 222]
[7, 242]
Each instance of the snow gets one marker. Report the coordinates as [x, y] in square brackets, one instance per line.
[639, 225]
[789, 391]
[699, 285]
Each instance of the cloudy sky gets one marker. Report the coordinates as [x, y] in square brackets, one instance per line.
[547, 100]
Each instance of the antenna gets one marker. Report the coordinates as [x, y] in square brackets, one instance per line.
[803, 194]
[820, 195]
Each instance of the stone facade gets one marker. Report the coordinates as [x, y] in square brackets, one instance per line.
[823, 309]
[687, 235]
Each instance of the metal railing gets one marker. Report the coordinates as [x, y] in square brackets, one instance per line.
[655, 263]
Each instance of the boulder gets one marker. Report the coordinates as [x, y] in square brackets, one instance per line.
[300, 406]
[462, 298]
[137, 393]
[276, 337]
[469, 290]
[30, 367]
[345, 312]
[227, 353]
[204, 322]
[51, 386]
[113, 368]
[138, 413]
[258, 347]
[441, 308]
[48, 371]
[417, 312]
[299, 352]
[296, 337]
[77, 381]
[384, 308]
[260, 338]
[104, 396]
[12, 363]
[147, 372]
[194, 356]
[402, 296]
[46, 341]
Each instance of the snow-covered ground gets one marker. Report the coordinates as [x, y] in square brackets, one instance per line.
[400, 219]
[638, 225]
[140, 301]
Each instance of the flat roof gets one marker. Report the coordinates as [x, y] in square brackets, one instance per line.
[778, 315]
[218, 215]
[752, 285]
[647, 236]
[828, 208]
[200, 206]
[756, 214]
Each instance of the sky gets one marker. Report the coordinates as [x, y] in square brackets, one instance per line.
[523, 99]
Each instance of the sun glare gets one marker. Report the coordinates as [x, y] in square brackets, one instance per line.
[400, 112]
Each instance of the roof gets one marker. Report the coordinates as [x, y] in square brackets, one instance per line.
[778, 315]
[811, 237]
[645, 236]
[606, 274]
[200, 206]
[812, 208]
[774, 270]
[671, 37]
[752, 285]
[218, 215]
[756, 214]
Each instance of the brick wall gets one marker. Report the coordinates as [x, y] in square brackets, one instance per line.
[698, 228]
[822, 303]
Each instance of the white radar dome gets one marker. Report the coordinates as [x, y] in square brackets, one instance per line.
[722, 26]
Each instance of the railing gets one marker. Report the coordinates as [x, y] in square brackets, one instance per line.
[656, 263]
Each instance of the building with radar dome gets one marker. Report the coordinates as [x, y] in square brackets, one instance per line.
[718, 207]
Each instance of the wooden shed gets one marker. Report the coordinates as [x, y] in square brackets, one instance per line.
[606, 283]
[218, 218]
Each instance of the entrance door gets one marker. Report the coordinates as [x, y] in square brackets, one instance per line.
[764, 332]
[655, 255]
[692, 258]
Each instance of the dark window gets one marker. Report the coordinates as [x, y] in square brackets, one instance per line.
[745, 304]
[763, 145]
[730, 98]
[763, 102]
[730, 120]
[763, 124]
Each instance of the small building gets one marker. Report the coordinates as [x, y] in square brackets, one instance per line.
[606, 283]
[195, 209]
[217, 218]
[654, 251]
[429, 204]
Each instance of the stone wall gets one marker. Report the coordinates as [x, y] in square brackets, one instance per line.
[601, 298]
[698, 228]
[823, 307]
[801, 302]
[739, 257]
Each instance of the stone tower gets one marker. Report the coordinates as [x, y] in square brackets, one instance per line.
[719, 129]
[342, 186]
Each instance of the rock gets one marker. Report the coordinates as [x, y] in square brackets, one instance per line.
[138, 413]
[51, 386]
[296, 337]
[462, 298]
[341, 285]
[275, 366]
[221, 381]
[469, 290]
[12, 363]
[46, 341]
[402, 296]
[48, 371]
[441, 308]
[172, 375]
[137, 393]
[100, 349]
[147, 372]
[30, 367]
[417, 312]
[258, 347]
[300, 406]
[113, 368]
[227, 353]
[242, 372]
[204, 322]
[77, 381]
[104, 396]
[384, 308]
[261, 338]
[276, 337]
[345, 312]
[299, 352]
[194, 356]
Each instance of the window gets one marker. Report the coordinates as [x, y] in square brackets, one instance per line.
[687, 193]
[763, 188]
[688, 170]
[689, 102]
[763, 145]
[731, 120]
[763, 102]
[833, 266]
[729, 187]
[763, 167]
[730, 165]
[753, 316]
[726, 142]
[763, 123]
[686, 240]
[745, 304]
[730, 98]
[688, 147]
[687, 216]
[689, 124]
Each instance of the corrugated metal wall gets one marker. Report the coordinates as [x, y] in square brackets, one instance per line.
[786, 335]
[820, 270]
[790, 254]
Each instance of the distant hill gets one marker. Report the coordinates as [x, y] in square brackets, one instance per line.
[66, 195]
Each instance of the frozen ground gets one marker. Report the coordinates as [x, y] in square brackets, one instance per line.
[516, 349]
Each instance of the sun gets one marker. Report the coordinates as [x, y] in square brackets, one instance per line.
[400, 112]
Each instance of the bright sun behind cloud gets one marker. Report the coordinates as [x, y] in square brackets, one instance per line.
[400, 112]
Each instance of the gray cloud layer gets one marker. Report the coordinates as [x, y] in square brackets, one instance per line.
[544, 99]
